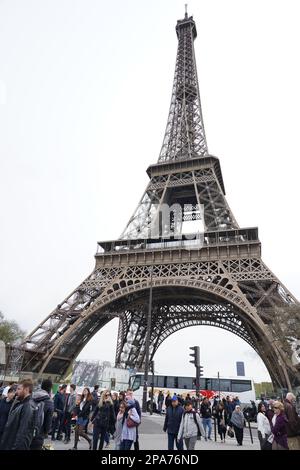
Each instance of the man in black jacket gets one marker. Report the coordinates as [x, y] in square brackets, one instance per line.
[18, 431]
[42, 398]
[172, 424]
[59, 409]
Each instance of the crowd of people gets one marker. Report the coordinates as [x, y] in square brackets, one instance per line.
[29, 415]
[278, 424]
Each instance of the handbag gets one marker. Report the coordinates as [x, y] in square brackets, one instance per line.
[230, 432]
[130, 423]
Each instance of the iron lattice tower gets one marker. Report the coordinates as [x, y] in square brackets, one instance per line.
[217, 278]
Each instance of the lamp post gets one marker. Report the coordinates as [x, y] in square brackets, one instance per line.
[147, 347]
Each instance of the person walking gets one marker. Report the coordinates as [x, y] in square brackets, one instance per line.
[222, 420]
[129, 396]
[44, 407]
[279, 422]
[160, 401]
[263, 426]
[103, 420]
[172, 424]
[190, 426]
[58, 414]
[205, 411]
[238, 422]
[5, 406]
[119, 425]
[83, 412]
[168, 400]
[130, 422]
[116, 402]
[293, 424]
[18, 431]
[70, 405]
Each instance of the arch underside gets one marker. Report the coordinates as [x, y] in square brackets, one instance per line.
[173, 308]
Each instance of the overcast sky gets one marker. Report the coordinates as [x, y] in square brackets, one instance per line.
[85, 88]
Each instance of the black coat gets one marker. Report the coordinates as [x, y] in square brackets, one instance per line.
[43, 396]
[4, 411]
[18, 431]
[104, 418]
[86, 409]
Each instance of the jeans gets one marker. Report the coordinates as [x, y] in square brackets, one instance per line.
[171, 439]
[207, 423]
[190, 442]
[126, 444]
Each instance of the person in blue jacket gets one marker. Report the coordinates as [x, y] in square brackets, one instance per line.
[172, 424]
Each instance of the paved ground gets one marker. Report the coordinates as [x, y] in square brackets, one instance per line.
[153, 438]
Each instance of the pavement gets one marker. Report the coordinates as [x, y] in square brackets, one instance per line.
[152, 437]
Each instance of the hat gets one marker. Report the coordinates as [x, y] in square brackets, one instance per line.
[174, 398]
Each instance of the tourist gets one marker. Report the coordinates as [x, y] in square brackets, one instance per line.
[263, 426]
[205, 411]
[58, 415]
[238, 422]
[160, 402]
[5, 406]
[222, 420]
[44, 407]
[103, 420]
[279, 422]
[293, 424]
[172, 424]
[129, 396]
[130, 422]
[70, 405]
[83, 412]
[190, 426]
[18, 431]
[119, 425]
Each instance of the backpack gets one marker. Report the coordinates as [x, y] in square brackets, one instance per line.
[196, 422]
[38, 416]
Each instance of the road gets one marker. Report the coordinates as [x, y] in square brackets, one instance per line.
[152, 437]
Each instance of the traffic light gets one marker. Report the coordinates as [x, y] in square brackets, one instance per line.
[200, 371]
[195, 355]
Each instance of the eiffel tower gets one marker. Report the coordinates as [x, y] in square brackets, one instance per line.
[202, 267]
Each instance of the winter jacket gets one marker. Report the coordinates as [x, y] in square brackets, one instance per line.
[5, 407]
[279, 429]
[59, 403]
[104, 417]
[263, 424]
[173, 419]
[84, 412]
[130, 433]
[205, 410]
[18, 431]
[188, 427]
[38, 397]
[293, 424]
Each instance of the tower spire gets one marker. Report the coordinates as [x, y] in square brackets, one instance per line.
[184, 136]
[186, 12]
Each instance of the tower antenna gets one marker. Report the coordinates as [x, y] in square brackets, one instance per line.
[186, 12]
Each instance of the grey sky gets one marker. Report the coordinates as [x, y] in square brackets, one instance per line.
[85, 88]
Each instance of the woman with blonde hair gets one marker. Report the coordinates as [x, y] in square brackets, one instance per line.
[103, 420]
[279, 428]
